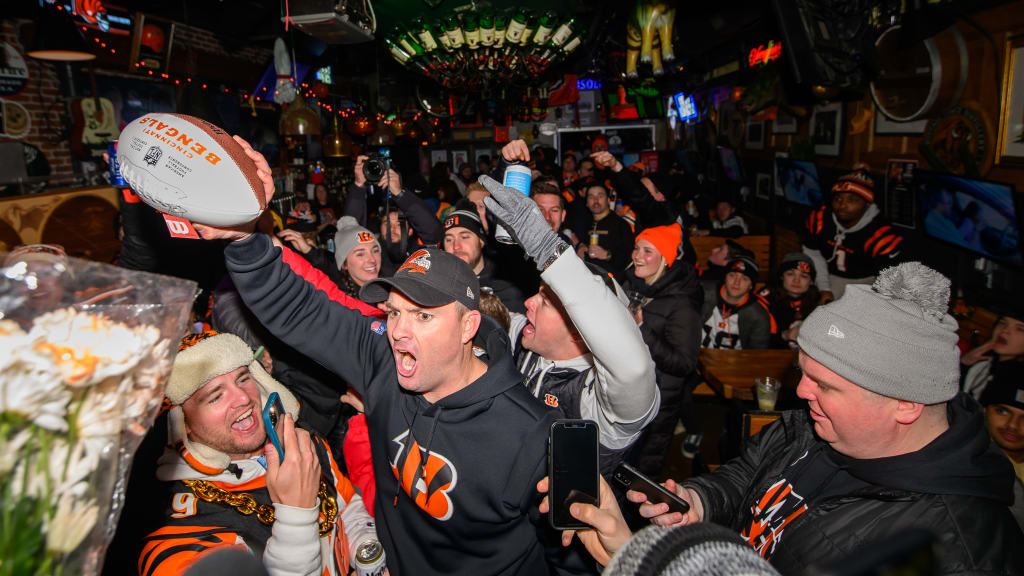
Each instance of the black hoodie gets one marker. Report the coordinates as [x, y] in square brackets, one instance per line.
[475, 512]
[957, 487]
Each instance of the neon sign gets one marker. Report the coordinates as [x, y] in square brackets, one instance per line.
[764, 54]
[588, 84]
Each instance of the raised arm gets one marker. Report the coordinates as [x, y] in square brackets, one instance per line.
[626, 393]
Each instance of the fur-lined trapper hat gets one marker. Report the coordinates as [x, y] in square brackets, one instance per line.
[201, 358]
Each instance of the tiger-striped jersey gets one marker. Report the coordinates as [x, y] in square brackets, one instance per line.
[191, 527]
[859, 252]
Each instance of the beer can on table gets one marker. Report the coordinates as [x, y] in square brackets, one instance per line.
[518, 177]
[115, 168]
[370, 559]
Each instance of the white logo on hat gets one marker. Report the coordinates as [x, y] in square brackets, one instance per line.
[469, 292]
[835, 332]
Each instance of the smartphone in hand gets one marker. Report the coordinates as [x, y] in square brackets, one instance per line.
[573, 470]
[273, 422]
[631, 479]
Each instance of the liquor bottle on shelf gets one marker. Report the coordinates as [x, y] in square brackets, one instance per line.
[453, 28]
[487, 28]
[516, 26]
[563, 32]
[545, 26]
[399, 54]
[442, 36]
[426, 35]
[573, 43]
[413, 42]
[531, 25]
[500, 28]
[471, 30]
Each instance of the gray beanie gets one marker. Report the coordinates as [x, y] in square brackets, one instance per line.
[350, 235]
[700, 549]
[893, 338]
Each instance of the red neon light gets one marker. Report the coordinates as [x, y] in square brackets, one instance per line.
[764, 55]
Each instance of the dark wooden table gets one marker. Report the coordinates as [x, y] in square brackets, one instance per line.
[731, 373]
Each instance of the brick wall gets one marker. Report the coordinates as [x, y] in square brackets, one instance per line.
[205, 41]
[46, 107]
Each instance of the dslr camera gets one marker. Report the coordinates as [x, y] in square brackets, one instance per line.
[375, 167]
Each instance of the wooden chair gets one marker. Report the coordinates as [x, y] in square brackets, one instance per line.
[754, 421]
[761, 246]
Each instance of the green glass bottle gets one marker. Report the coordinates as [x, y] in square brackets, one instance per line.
[400, 38]
[500, 27]
[453, 28]
[471, 30]
[574, 42]
[412, 39]
[442, 36]
[426, 35]
[531, 26]
[563, 32]
[396, 50]
[516, 26]
[545, 26]
[487, 28]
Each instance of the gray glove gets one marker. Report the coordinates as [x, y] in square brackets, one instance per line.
[522, 219]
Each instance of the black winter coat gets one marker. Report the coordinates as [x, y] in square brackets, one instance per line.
[958, 487]
[672, 331]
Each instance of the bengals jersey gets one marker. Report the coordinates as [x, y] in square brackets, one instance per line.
[860, 251]
[190, 527]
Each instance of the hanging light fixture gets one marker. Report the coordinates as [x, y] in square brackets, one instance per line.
[299, 119]
[384, 135]
[337, 144]
[58, 39]
[361, 124]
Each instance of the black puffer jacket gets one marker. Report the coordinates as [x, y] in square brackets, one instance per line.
[672, 331]
[958, 487]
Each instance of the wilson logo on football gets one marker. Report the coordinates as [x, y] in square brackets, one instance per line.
[177, 140]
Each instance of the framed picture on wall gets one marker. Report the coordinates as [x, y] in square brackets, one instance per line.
[827, 129]
[885, 126]
[1010, 147]
[755, 134]
[764, 186]
[152, 41]
[459, 157]
[784, 123]
[437, 156]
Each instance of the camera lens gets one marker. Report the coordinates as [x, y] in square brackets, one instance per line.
[374, 169]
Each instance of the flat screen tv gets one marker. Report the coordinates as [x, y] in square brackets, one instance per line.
[800, 182]
[686, 108]
[973, 214]
[730, 164]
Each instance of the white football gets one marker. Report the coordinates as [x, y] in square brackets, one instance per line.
[187, 167]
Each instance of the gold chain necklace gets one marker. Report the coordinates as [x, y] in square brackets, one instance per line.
[245, 504]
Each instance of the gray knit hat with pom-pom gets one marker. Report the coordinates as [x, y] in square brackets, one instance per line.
[894, 337]
[700, 549]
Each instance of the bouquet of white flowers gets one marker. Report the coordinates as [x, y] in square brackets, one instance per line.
[85, 352]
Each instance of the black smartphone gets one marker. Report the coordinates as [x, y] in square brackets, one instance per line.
[572, 470]
[631, 479]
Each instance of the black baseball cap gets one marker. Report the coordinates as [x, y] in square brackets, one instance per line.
[429, 277]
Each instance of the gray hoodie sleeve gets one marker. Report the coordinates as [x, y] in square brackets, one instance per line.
[626, 395]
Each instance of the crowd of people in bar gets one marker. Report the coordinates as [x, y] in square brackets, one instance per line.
[424, 334]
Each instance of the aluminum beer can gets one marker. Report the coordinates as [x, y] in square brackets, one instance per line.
[594, 238]
[115, 168]
[518, 177]
[370, 559]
